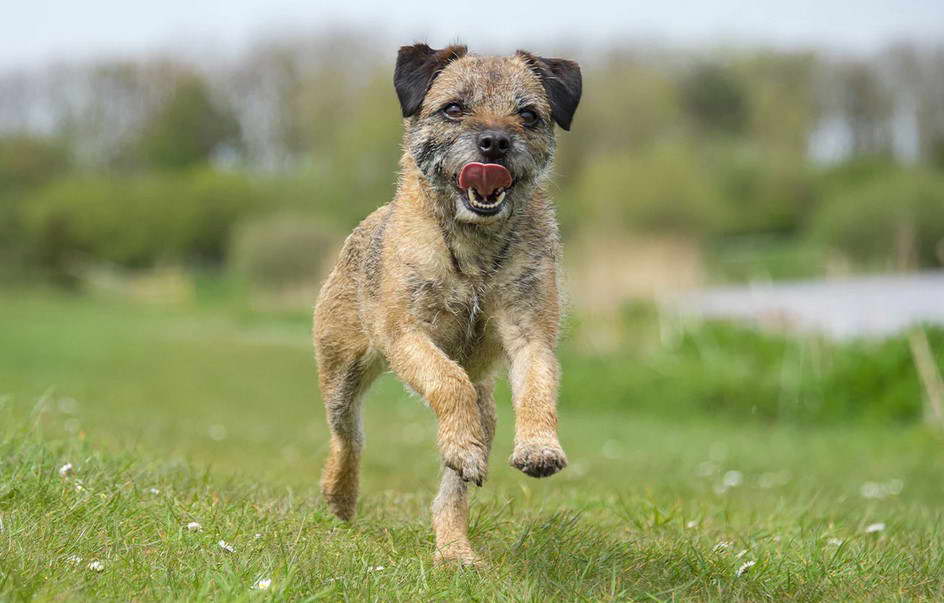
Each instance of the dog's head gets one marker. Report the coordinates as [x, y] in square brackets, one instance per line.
[481, 129]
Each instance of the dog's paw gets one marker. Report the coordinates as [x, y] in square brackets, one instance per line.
[540, 458]
[468, 459]
[461, 556]
[341, 501]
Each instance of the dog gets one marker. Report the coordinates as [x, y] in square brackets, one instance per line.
[459, 272]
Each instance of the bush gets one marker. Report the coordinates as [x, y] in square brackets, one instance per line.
[134, 221]
[876, 219]
[281, 250]
[762, 191]
[26, 162]
[721, 369]
[663, 190]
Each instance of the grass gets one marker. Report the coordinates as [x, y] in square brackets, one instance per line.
[196, 414]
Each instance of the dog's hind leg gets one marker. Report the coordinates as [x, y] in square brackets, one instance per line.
[451, 506]
[344, 378]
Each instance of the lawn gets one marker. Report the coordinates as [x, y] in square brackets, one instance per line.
[208, 414]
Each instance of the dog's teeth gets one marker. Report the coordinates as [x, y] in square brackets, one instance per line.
[477, 200]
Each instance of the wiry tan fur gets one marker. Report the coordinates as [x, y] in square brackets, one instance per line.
[441, 297]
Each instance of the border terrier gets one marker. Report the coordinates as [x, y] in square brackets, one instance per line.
[457, 273]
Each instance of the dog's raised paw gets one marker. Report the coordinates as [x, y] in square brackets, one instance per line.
[471, 463]
[538, 459]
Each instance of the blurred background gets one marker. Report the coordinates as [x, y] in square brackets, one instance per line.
[752, 205]
[176, 178]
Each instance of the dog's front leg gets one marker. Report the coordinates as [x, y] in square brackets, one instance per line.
[533, 373]
[422, 365]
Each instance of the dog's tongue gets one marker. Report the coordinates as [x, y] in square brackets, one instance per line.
[485, 177]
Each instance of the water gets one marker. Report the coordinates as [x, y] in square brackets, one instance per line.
[872, 306]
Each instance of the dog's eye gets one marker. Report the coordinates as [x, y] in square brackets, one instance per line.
[529, 117]
[452, 110]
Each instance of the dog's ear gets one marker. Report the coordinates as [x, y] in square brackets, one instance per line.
[562, 83]
[417, 67]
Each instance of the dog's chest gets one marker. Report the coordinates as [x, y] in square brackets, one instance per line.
[434, 299]
[451, 307]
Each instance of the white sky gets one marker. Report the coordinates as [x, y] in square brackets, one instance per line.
[35, 31]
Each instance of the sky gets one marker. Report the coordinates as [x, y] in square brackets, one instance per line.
[39, 31]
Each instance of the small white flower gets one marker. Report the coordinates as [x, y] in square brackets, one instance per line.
[96, 566]
[875, 527]
[68, 405]
[744, 567]
[154, 491]
[65, 470]
[262, 584]
[872, 490]
[721, 546]
[226, 547]
[692, 524]
[892, 487]
[741, 554]
[733, 478]
[74, 559]
[834, 542]
[195, 526]
[257, 536]
[217, 432]
[78, 486]
[378, 568]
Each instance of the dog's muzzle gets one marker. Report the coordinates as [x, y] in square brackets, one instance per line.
[483, 187]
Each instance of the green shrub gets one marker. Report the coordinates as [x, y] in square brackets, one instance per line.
[281, 250]
[870, 222]
[26, 162]
[134, 221]
[762, 191]
[734, 371]
[661, 190]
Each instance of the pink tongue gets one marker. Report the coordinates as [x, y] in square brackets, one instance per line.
[485, 177]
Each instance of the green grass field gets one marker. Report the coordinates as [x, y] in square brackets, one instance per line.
[210, 414]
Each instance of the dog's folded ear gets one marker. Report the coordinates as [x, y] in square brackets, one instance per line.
[562, 83]
[417, 67]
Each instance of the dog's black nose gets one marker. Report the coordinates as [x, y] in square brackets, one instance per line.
[494, 144]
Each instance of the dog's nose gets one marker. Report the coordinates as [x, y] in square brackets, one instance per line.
[494, 144]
